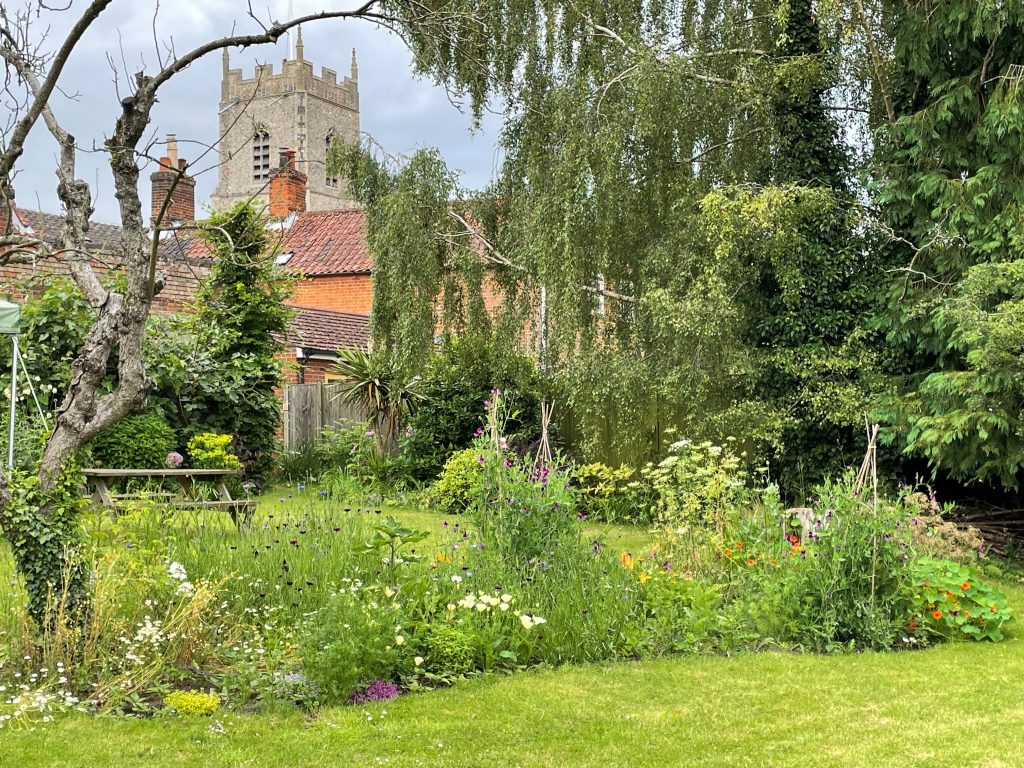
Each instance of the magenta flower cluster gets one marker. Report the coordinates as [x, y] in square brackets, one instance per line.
[378, 690]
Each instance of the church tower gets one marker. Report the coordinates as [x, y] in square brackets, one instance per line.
[293, 110]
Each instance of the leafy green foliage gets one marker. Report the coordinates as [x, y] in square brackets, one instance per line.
[240, 315]
[192, 702]
[847, 585]
[30, 433]
[454, 387]
[952, 603]
[135, 442]
[524, 512]
[458, 485]
[449, 651]
[46, 539]
[952, 171]
[351, 640]
[376, 385]
[611, 495]
[336, 450]
[677, 190]
[212, 451]
[54, 324]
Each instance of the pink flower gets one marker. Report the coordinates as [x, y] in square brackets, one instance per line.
[174, 460]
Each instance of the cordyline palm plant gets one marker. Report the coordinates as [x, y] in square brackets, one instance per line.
[373, 383]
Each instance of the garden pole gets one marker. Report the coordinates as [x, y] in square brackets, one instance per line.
[14, 392]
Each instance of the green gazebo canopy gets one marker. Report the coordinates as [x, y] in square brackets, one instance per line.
[10, 315]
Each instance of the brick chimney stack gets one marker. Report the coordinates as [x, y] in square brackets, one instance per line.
[287, 187]
[182, 205]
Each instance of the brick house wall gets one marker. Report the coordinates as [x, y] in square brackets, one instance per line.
[342, 293]
[181, 281]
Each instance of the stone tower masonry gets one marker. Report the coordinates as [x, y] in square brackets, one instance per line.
[293, 110]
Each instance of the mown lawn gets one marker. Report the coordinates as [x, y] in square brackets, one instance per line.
[951, 706]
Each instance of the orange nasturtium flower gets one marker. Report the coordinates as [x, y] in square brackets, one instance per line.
[913, 624]
[750, 561]
[739, 545]
[965, 586]
[728, 553]
[967, 614]
[937, 614]
[993, 608]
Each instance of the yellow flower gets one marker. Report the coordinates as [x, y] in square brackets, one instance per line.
[626, 559]
[644, 576]
[443, 558]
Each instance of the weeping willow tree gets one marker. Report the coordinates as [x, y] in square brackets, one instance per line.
[673, 228]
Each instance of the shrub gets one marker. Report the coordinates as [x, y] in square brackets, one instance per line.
[524, 512]
[192, 702]
[240, 317]
[135, 442]
[609, 495]
[449, 651]
[696, 484]
[454, 387]
[336, 449]
[847, 585]
[211, 451]
[459, 483]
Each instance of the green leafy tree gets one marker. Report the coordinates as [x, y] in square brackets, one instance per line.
[951, 190]
[677, 196]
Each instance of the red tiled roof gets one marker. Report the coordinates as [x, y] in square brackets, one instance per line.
[326, 330]
[321, 243]
[328, 243]
[105, 239]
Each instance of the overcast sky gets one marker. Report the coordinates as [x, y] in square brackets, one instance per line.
[400, 111]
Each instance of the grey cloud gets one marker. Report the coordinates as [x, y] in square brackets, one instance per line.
[401, 111]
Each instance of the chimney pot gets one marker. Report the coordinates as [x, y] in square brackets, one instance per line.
[172, 150]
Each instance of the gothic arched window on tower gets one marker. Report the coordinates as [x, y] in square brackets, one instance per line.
[331, 181]
[261, 155]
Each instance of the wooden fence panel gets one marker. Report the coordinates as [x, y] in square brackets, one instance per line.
[312, 408]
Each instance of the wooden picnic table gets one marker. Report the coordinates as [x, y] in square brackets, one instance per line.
[102, 478]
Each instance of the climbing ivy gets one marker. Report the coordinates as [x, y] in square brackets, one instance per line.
[45, 537]
[240, 318]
